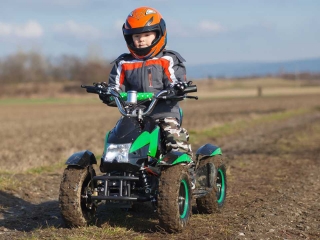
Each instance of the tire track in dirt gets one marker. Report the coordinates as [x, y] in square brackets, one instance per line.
[263, 138]
[274, 194]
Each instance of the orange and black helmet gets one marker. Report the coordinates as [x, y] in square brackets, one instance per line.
[145, 19]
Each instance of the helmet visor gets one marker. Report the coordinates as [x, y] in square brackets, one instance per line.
[140, 30]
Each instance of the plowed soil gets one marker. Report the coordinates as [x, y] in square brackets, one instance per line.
[273, 169]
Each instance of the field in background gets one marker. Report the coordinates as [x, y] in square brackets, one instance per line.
[278, 128]
[257, 87]
[42, 130]
[209, 88]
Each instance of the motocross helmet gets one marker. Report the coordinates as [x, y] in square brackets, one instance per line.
[141, 20]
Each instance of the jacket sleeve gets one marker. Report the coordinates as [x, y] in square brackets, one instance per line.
[116, 77]
[175, 70]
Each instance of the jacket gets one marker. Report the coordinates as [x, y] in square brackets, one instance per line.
[151, 75]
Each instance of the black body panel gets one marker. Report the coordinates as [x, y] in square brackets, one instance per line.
[206, 150]
[82, 159]
[128, 129]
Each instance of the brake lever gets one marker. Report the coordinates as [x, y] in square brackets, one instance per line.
[179, 98]
[194, 97]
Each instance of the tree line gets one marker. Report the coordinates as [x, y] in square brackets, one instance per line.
[23, 67]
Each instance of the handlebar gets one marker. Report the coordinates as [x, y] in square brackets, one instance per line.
[92, 89]
[124, 107]
[190, 89]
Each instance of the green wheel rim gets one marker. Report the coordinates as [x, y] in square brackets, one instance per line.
[183, 200]
[221, 186]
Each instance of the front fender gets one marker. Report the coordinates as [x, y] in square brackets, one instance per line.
[173, 158]
[82, 159]
[208, 150]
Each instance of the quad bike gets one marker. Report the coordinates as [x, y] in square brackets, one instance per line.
[136, 168]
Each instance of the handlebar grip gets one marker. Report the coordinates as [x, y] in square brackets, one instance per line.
[192, 88]
[91, 89]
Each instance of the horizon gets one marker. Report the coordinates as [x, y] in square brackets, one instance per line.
[202, 32]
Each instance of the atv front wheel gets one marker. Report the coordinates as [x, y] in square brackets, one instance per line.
[214, 201]
[76, 207]
[174, 199]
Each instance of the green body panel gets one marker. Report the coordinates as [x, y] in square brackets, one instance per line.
[147, 138]
[183, 158]
[140, 96]
[154, 136]
[142, 140]
[216, 152]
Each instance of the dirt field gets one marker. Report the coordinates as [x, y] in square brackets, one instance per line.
[271, 145]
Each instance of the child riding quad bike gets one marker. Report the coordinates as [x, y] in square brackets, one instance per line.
[136, 168]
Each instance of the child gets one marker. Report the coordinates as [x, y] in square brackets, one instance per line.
[151, 68]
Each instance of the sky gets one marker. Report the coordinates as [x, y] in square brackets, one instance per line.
[202, 31]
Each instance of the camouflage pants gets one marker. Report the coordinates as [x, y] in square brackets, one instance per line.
[176, 137]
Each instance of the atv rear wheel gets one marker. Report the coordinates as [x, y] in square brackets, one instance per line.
[214, 201]
[174, 199]
[76, 208]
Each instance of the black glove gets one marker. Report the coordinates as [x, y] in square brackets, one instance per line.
[107, 99]
[180, 87]
[101, 84]
[104, 98]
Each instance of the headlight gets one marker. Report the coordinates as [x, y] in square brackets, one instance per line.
[116, 152]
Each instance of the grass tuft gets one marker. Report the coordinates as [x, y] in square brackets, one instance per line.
[8, 181]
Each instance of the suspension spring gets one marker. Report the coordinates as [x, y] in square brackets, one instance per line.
[145, 180]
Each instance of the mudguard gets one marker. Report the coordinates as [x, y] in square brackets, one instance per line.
[208, 150]
[205, 176]
[173, 158]
[82, 159]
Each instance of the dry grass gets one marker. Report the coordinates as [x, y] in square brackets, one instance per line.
[39, 135]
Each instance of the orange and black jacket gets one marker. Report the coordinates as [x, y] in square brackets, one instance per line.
[151, 75]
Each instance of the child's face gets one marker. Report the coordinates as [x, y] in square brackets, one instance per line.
[143, 40]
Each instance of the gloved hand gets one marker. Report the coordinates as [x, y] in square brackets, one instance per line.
[179, 87]
[101, 84]
[107, 99]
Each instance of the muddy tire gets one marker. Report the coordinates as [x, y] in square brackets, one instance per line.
[214, 200]
[76, 210]
[174, 199]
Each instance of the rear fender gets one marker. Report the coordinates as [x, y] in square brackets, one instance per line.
[205, 176]
[208, 150]
[173, 158]
[82, 159]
